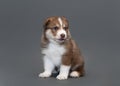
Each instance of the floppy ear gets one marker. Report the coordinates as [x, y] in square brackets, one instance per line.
[44, 39]
[47, 21]
[69, 35]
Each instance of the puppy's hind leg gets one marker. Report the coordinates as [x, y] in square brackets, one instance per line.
[78, 72]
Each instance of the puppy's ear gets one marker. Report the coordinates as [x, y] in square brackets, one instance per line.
[44, 41]
[69, 35]
[46, 23]
[64, 18]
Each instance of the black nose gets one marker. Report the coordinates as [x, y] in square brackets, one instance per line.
[62, 35]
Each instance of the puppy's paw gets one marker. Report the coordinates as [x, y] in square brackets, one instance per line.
[45, 74]
[62, 77]
[74, 74]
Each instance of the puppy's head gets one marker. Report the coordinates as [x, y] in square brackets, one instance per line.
[56, 29]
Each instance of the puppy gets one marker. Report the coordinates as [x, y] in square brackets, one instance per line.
[60, 50]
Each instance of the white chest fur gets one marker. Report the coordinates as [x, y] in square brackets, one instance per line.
[54, 53]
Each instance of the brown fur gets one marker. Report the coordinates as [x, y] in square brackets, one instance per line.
[73, 55]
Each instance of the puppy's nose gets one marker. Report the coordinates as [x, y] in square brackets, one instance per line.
[62, 35]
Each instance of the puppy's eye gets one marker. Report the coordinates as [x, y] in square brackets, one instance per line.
[65, 28]
[55, 28]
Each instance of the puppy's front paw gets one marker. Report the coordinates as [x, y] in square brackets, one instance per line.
[45, 74]
[62, 77]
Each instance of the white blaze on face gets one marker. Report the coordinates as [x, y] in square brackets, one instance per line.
[60, 21]
[61, 30]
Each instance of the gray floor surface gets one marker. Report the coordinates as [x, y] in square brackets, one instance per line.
[94, 24]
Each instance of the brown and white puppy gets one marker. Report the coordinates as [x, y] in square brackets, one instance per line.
[60, 50]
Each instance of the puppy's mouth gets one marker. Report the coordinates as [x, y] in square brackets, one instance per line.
[62, 39]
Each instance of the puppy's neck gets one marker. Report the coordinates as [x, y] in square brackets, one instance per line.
[53, 42]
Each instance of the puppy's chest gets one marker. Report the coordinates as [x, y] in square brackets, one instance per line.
[54, 52]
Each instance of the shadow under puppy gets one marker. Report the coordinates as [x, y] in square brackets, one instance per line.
[60, 50]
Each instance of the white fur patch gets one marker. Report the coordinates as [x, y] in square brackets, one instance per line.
[60, 21]
[64, 71]
[74, 74]
[54, 53]
[49, 34]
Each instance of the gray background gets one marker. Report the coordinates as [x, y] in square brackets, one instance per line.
[94, 24]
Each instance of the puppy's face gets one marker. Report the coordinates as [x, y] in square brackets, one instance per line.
[56, 29]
